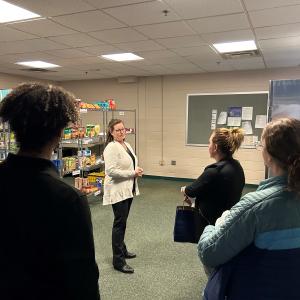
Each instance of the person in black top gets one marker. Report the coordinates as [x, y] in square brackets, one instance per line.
[220, 186]
[47, 247]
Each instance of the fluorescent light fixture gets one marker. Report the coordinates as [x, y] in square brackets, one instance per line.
[235, 46]
[37, 64]
[11, 13]
[122, 57]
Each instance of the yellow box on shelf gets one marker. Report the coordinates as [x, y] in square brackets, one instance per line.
[93, 176]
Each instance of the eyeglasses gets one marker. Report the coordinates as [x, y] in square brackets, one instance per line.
[120, 130]
[259, 146]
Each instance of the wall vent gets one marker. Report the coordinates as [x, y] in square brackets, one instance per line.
[241, 54]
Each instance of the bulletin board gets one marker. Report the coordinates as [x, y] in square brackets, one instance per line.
[203, 108]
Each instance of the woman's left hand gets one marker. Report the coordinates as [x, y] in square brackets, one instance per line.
[182, 190]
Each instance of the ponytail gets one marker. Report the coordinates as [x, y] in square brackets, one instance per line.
[282, 142]
[294, 175]
[236, 138]
[228, 140]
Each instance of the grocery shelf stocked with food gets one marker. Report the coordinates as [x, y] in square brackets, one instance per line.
[80, 159]
[7, 141]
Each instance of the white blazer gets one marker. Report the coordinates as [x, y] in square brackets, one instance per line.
[119, 173]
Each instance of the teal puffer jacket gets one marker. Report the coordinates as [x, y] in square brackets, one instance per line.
[268, 217]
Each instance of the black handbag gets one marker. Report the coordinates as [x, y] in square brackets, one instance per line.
[189, 224]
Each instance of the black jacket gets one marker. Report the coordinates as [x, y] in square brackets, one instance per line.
[218, 188]
[47, 247]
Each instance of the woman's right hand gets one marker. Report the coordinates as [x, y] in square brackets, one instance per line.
[138, 172]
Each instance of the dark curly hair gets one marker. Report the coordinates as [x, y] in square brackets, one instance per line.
[37, 113]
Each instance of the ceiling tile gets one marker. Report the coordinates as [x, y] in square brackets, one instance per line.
[278, 31]
[215, 66]
[282, 53]
[200, 58]
[220, 23]
[13, 58]
[263, 4]
[247, 63]
[279, 63]
[201, 50]
[184, 68]
[101, 49]
[168, 60]
[42, 28]
[118, 35]
[87, 61]
[29, 46]
[140, 46]
[9, 34]
[113, 3]
[228, 36]
[154, 68]
[280, 43]
[88, 21]
[47, 8]
[180, 42]
[195, 9]
[76, 40]
[69, 53]
[275, 16]
[165, 30]
[143, 13]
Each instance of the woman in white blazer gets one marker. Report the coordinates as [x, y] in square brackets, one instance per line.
[120, 185]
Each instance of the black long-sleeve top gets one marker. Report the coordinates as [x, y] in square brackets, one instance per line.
[218, 188]
[47, 247]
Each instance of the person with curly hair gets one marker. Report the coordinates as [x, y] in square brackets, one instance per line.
[47, 247]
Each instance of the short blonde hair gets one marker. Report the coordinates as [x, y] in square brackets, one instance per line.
[228, 140]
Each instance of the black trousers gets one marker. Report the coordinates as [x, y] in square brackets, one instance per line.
[121, 212]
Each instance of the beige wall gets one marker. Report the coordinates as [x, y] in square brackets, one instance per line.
[10, 81]
[161, 107]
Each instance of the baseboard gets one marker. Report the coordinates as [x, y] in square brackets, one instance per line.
[168, 178]
[186, 179]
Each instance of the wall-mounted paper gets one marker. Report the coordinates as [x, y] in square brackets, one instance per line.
[234, 112]
[234, 121]
[250, 140]
[222, 118]
[247, 113]
[247, 126]
[260, 121]
[214, 113]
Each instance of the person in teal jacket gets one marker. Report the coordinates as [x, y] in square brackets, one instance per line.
[266, 221]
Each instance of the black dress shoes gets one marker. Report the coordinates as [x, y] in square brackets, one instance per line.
[130, 255]
[125, 269]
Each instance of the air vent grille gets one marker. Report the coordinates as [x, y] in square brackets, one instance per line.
[241, 54]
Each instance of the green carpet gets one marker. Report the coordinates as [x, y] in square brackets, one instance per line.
[163, 269]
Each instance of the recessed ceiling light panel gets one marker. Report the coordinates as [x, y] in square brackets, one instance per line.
[235, 46]
[122, 57]
[11, 13]
[37, 64]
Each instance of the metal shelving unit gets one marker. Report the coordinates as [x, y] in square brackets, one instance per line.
[7, 144]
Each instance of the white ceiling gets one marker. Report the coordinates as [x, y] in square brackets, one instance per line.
[73, 33]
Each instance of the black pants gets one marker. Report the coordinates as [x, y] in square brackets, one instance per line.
[121, 212]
